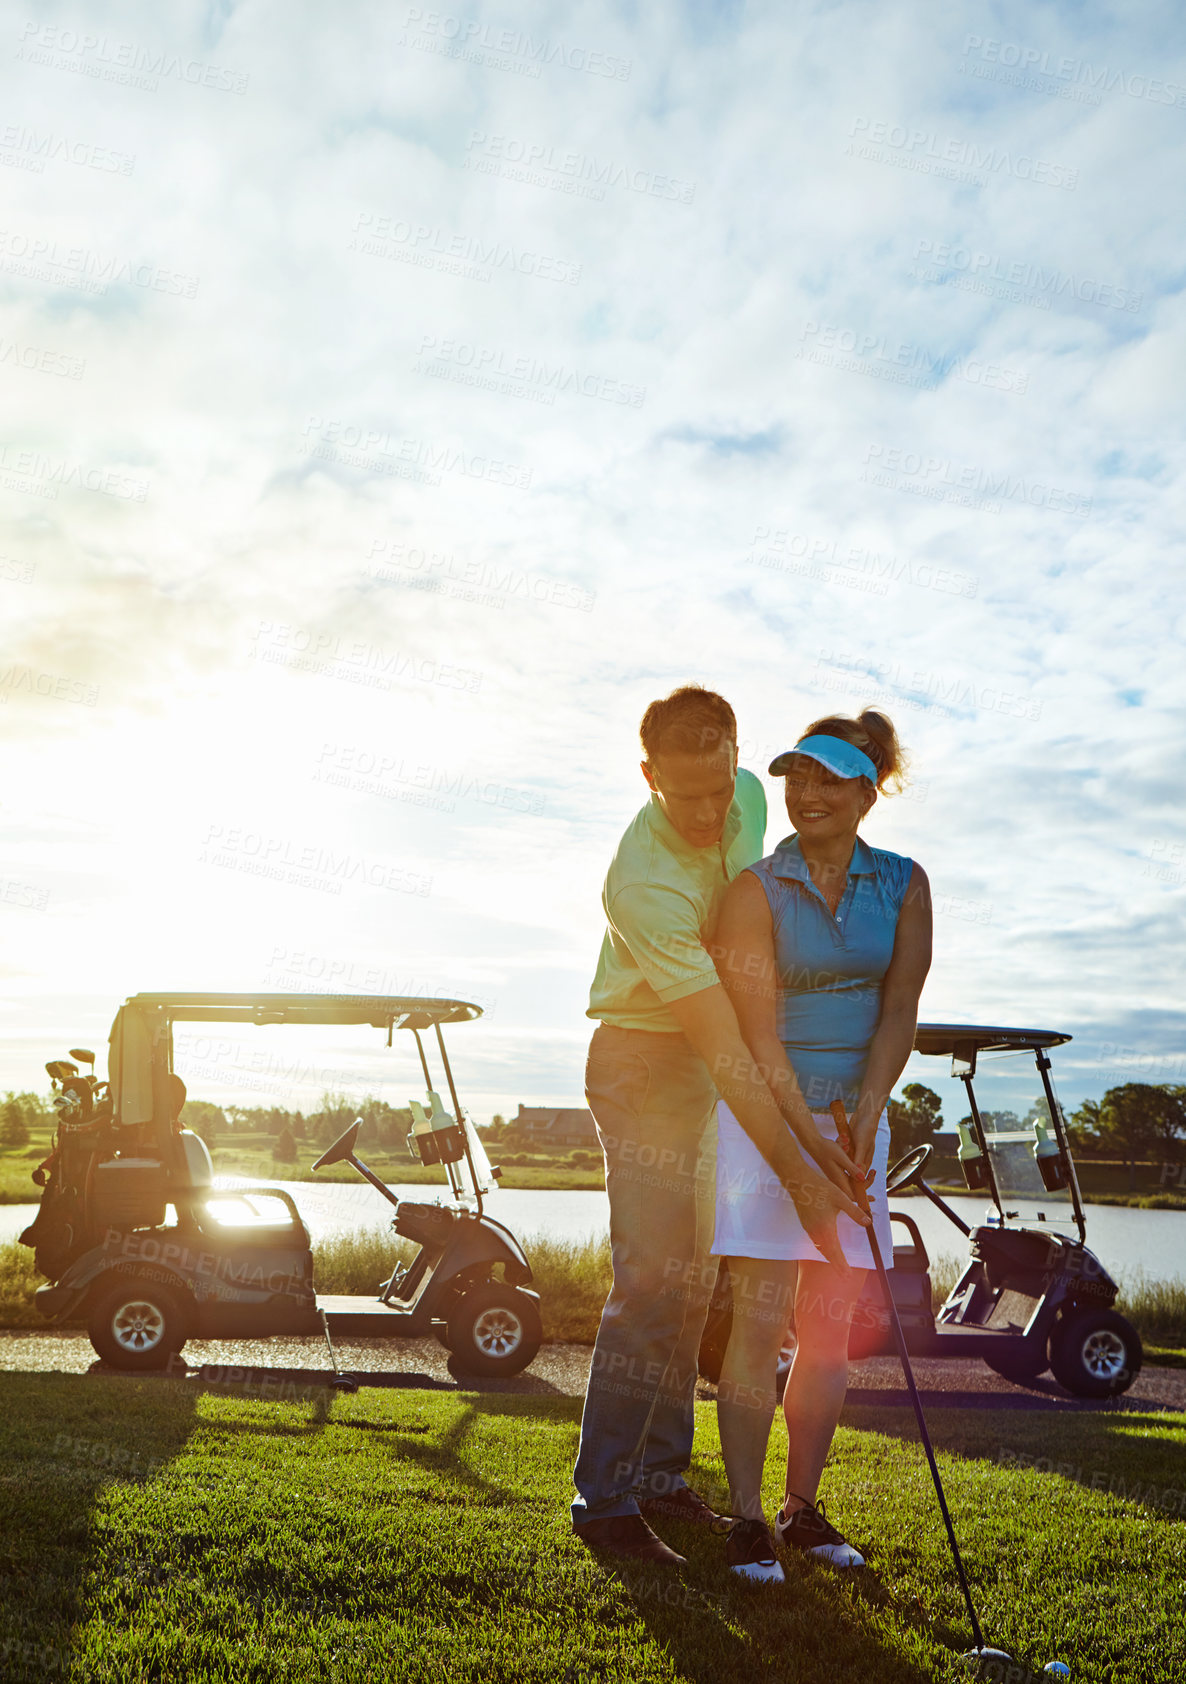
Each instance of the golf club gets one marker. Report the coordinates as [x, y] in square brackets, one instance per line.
[984, 1658]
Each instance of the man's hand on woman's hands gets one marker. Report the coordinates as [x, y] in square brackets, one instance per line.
[819, 1202]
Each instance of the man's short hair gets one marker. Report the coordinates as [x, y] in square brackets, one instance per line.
[692, 720]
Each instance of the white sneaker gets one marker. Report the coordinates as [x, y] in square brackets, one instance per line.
[749, 1551]
[810, 1530]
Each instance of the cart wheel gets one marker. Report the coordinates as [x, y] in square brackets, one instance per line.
[1095, 1353]
[1022, 1366]
[135, 1324]
[494, 1330]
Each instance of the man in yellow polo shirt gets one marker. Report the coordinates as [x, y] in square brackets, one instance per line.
[666, 1045]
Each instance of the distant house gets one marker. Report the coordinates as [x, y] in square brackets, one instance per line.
[566, 1127]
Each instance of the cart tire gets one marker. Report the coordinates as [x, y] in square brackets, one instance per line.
[136, 1324]
[494, 1330]
[1022, 1367]
[1095, 1353]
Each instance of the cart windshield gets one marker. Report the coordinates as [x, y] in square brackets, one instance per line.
[1018, 1130]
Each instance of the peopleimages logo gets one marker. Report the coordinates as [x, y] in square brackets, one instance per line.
[37, 258]
[24, 469]
[541, 165]
[430, 246]
[900, 361]
[1092, 80]
[30, 149]
[481, 364]
[499, 48]
[380, 452]
[1033, 279]
[779, 548]
[125, 62]
[941, 478]
[928, 152]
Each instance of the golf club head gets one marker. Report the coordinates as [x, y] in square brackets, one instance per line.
[993, 1666]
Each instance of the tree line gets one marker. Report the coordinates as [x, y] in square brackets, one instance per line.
[386, 1125]
[1134, 1122]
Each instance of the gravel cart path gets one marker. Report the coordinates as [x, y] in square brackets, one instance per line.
[283, 1367]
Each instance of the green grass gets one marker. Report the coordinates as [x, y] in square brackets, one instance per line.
[1102, 1182]
[17, 1164]
[540, 1171]
[156, 1531]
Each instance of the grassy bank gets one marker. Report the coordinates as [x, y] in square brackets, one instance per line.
[253, 1158]
[573, 1278]
[17, 1164]
[158, 1530]
[1169, 1200]
[251, 1155]
[521, 1170]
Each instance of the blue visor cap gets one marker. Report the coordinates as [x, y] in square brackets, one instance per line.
[839, 757]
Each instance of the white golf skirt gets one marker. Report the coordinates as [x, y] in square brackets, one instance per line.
[755, 1216]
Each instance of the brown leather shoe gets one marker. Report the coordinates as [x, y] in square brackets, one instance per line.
[627, 1534]
[686, 1505]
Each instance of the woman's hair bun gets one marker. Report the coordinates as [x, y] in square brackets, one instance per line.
[873, 733]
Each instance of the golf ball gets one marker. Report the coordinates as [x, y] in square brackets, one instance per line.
[1056, 1669]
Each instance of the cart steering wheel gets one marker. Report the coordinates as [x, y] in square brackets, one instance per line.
[907, 1170]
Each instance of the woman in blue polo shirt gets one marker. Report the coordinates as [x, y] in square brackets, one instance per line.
[824, 947]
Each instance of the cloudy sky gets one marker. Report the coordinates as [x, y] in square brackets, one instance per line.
[398, 400]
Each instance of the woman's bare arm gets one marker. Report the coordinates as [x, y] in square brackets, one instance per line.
[893, 1039]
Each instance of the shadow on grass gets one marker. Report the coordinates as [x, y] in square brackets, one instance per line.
[1135, 1458]
[59, 1454]
[1043, 1396]
[715, 1626]
[816, 1625]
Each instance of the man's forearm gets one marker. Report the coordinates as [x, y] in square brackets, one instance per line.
[776, 1070]
[740, 1083]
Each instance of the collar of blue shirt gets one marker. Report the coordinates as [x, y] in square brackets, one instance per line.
[787, 860]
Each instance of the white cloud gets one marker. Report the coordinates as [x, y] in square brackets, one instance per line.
[478, 591]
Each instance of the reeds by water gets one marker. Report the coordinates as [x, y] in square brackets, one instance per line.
[573, 1277]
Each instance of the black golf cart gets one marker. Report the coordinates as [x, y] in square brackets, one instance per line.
[133, 1232]
[1030, 1297]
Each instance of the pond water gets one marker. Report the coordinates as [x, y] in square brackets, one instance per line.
[1125, 1240]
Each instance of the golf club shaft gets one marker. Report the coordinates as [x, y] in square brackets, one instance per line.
[862, 1197]
[900, 1339]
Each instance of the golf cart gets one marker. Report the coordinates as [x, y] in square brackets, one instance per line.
[132, 1231]
[1029, 1297]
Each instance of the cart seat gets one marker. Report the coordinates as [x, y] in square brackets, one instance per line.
[198, 1164]
[1015, 1249]
[430, 1225]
